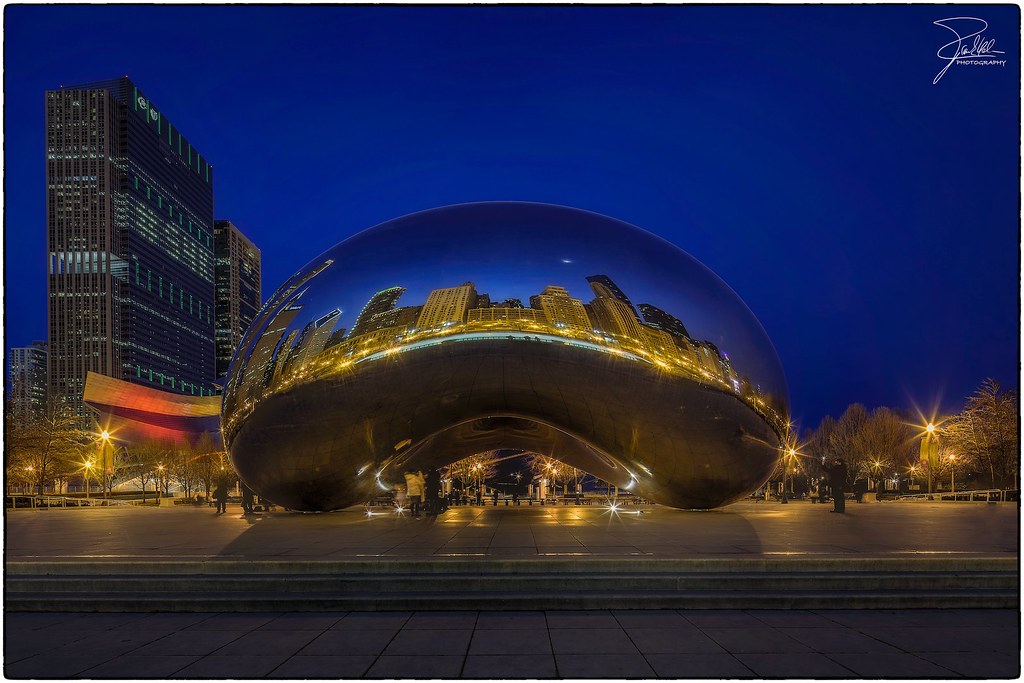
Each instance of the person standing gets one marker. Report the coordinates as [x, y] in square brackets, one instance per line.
[414, 483]
[220, 496]
[247, 499]
[432, 491]
[837, 482]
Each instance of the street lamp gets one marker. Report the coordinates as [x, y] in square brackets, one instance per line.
[786, 455]
[88, 466]
[106, 459]
[930, 452]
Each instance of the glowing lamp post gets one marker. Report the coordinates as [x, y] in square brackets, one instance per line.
[106, 459]
[786, 455]
[86, 468]
[930, 453]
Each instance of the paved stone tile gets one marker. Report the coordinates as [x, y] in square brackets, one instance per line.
[368, 642]
[790, 618]
[672, 640]
[331, 667]
[231, 666]
[229, 621]
[105, 621]
[510, 642]
[511, 620]
[269, 643]
[721, 665]
[716, 618]
[361, 621]
[581, 619]
[650, 618]
[303, 621]
[416, 667]
[189, 643]
[441, 620]
[977, 664]
[24, 644]
[111, 643]
[591, 640]
[421, 642]
[757, 639]
[140, 666]
[509, 666]
[836, 639]
[603, 666]
[34, 620]
[794, 665]
[49, 666]
[994, 618]
[165, 622]
[891, 665]
[858, 618]
[915, 639]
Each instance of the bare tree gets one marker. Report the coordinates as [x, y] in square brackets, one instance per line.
[478, 467]
[210, 462]
[985, 433]
[843, 441]
[49, 448]
[144, 458]
[553, 470]
[184, 469]
[885, 441]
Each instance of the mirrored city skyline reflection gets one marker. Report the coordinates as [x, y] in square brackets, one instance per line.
[515, 271]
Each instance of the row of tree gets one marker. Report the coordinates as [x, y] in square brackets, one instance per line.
[881, 443]
[483, 467]
[52, 451]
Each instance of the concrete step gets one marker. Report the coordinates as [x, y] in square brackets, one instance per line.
[531, 565]
[494, 583]
[437, 583]
[457, 600]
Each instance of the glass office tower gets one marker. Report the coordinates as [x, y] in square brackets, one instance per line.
[238, 297]
[130, 244]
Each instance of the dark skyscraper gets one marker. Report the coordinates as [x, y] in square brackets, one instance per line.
[613, 289]
[380, 302]
[238, 296]
[659, 319]
[130, 244]
[26, 374]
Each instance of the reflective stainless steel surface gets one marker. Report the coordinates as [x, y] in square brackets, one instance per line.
[504, 325]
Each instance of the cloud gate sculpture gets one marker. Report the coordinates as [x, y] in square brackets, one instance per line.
[450, 332]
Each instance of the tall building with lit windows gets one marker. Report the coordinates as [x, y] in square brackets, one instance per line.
[238, 297]
[562, 310]
[447, 305]
[130, 283]
[26, 382]
[381, 302]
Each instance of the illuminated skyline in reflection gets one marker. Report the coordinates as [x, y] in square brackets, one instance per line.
[608, 323]
[505, 325]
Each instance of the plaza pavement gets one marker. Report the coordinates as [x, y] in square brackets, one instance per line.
[873, 643]
[704, 644]
[744, 529]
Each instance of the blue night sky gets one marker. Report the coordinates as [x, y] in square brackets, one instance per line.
[868, 217]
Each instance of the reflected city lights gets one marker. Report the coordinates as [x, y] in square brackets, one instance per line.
[461, 308]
